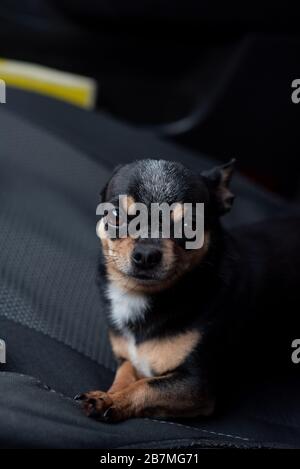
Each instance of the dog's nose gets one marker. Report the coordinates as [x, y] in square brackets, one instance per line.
[146, 257]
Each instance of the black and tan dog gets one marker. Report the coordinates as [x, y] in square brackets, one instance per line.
[173, 312]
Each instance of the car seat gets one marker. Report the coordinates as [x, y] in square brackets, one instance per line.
[54, 160]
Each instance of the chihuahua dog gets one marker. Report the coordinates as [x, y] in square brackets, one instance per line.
[174, 312]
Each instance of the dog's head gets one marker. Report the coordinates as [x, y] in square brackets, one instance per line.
[144, 259]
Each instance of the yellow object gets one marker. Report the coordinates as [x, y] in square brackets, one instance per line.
[75, 89]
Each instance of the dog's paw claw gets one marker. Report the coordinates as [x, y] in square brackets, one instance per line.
[108, 414]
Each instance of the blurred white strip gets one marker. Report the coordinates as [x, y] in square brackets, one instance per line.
[2, 351]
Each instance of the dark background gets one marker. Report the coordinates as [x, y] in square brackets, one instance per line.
[214, 77]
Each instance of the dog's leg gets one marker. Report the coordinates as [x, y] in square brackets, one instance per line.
[172, 395]
[125, 376]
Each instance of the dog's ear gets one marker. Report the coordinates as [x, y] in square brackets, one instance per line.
[218, 180]
[103, 192]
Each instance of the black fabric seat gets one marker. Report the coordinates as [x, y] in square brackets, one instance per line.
[54, 159]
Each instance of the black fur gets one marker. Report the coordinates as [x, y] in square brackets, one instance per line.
[243, 296]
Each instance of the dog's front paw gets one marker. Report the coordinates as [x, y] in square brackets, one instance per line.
[105, 407]
[96, 404]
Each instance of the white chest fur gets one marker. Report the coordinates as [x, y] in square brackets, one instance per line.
[141, 363]
[126, 306]
[154, 356]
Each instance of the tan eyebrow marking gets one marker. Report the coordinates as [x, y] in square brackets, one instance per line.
[178, 213]
[128, 204]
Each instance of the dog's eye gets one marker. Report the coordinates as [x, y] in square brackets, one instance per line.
[115, 217]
